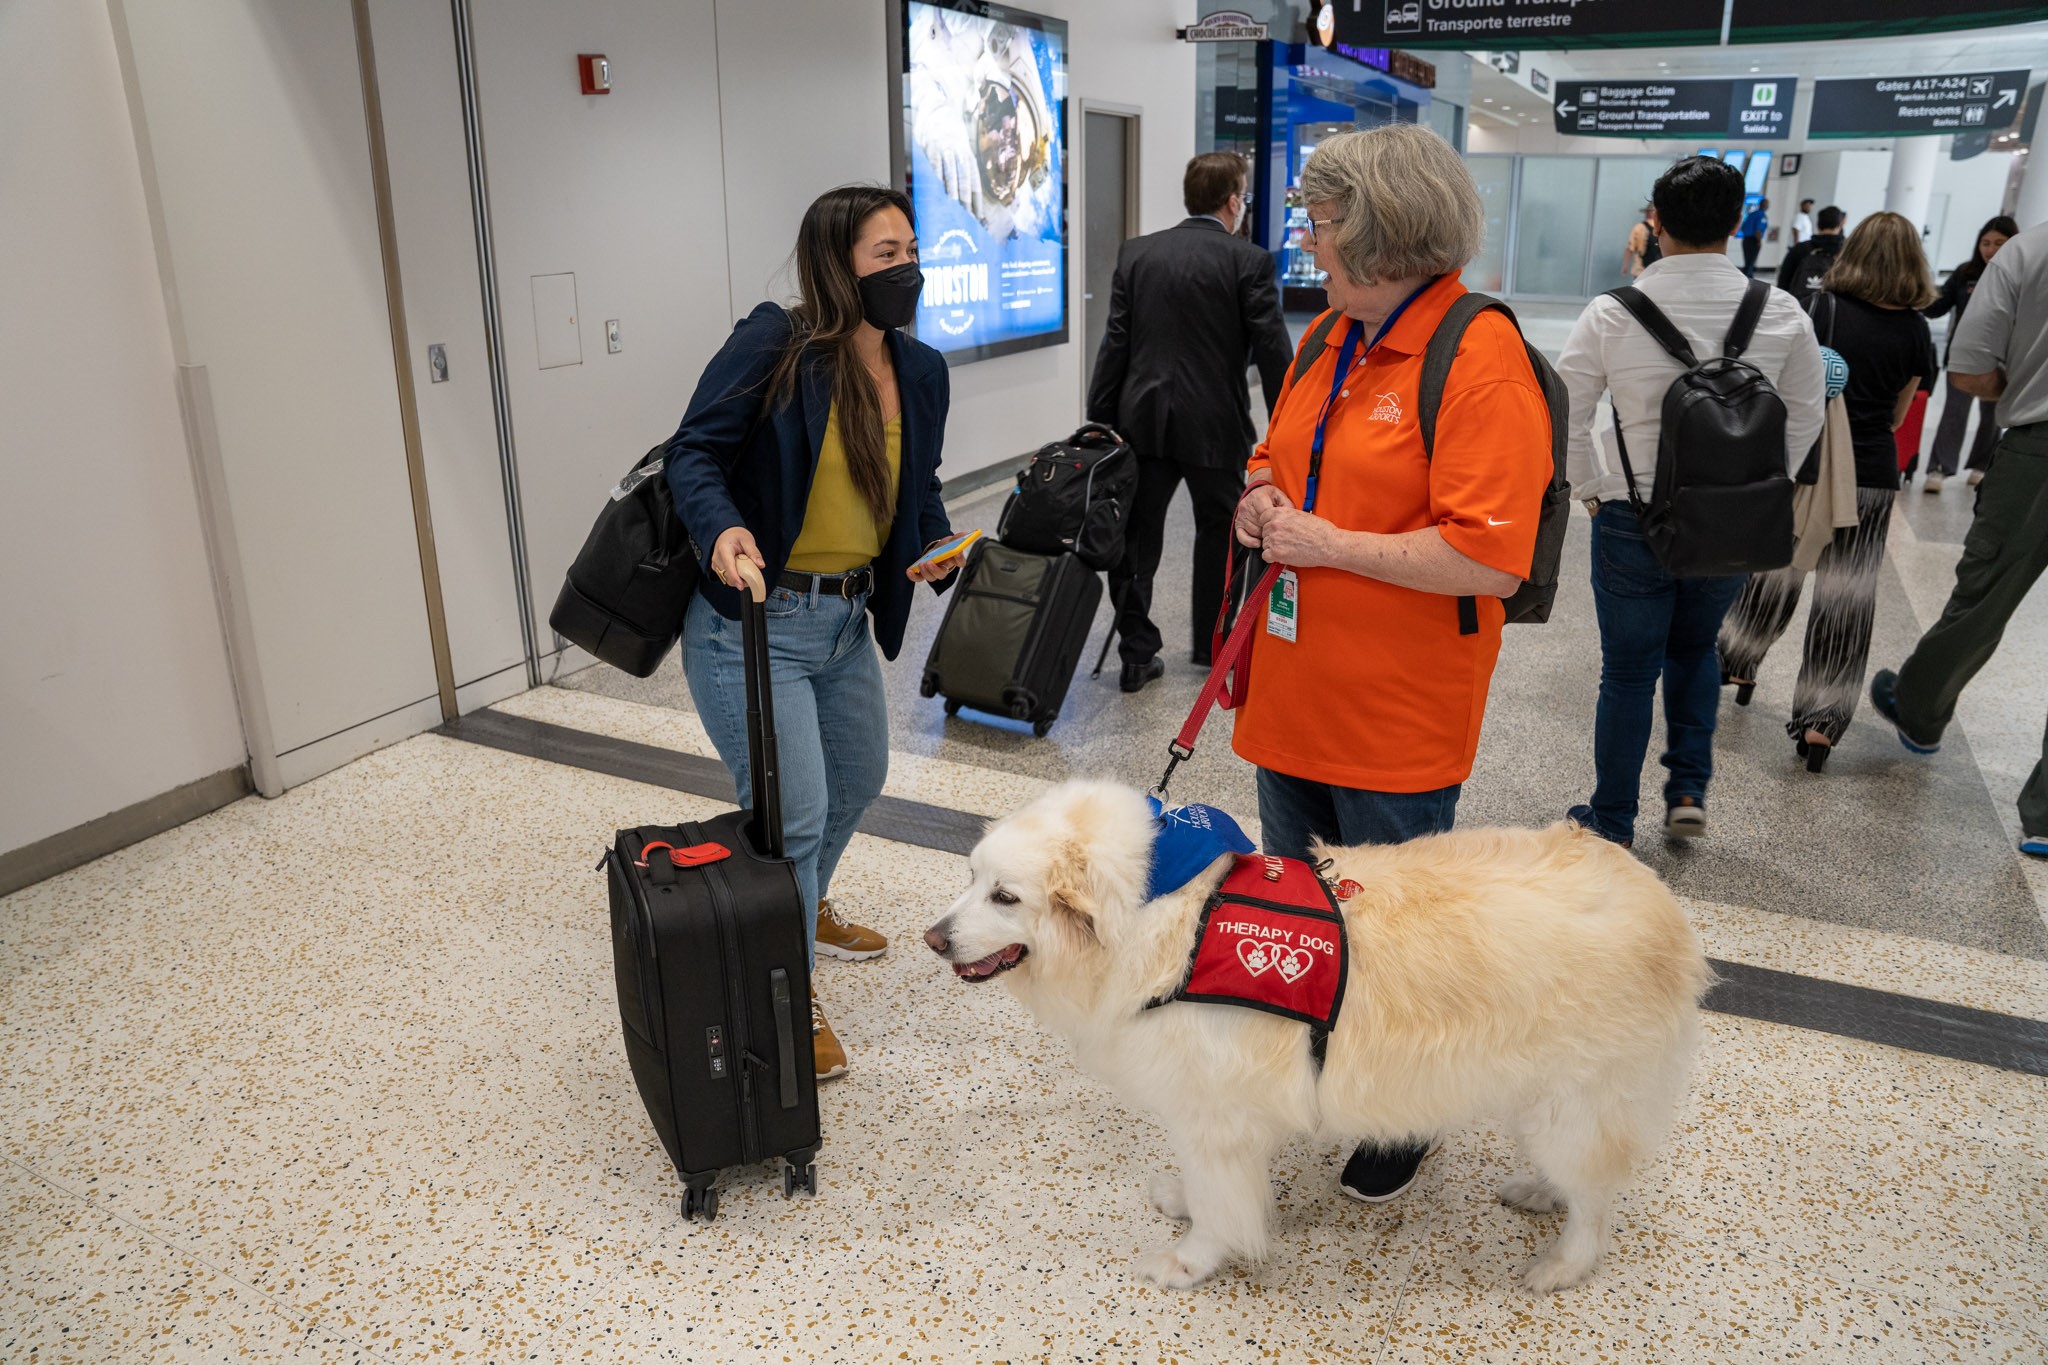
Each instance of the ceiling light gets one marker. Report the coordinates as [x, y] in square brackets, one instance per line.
[1489, 99]
[1754, 69]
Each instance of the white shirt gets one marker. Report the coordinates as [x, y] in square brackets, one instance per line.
[1610, 353]
[1802, 227]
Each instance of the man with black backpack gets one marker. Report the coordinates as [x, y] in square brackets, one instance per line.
[1692, 491]
[1806, 264]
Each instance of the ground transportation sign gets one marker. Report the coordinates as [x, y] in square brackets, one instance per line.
[1518, 25]
[1751, 107]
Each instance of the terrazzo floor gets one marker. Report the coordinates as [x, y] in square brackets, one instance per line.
[338, 1077]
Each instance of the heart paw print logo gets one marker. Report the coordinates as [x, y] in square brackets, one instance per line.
[1256, 956]
[1294, 965]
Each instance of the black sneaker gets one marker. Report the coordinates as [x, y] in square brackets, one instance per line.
[1376, 1174]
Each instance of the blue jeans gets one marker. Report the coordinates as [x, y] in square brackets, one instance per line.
[1651, 625]
[831, 720]
[1294, 810]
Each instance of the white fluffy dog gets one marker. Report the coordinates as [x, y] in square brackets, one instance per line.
[1544, 976]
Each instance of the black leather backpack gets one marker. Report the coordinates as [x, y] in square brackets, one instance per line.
[1721, 499]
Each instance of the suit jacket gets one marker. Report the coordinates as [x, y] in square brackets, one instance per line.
[1187, 309]
[731, 463]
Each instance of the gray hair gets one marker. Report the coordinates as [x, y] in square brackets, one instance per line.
[1408, 204]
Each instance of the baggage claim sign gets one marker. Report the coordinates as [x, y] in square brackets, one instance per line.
[1752, 107]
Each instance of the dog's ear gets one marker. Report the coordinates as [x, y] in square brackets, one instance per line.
[1067, 891]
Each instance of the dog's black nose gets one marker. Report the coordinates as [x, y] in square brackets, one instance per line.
[938, 941]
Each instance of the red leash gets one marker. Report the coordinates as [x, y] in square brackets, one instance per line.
[1220, 686]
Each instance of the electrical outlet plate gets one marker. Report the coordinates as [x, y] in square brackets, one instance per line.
[611, 335]
[437, 363]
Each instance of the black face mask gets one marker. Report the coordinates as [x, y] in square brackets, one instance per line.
[888, 298]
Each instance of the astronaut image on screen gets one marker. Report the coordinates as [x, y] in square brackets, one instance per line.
[984, 152]
[979, 108]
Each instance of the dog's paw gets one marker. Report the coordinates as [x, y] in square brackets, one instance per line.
[1531, 1194]
[1168, 1269]
[1169, 1197]
[1550, 1271]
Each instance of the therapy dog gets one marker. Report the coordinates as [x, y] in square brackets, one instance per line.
[1542, 976]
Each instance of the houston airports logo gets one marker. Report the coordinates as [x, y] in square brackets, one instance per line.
[951, 280]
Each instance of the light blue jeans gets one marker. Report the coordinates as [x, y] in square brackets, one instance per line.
[831, 720]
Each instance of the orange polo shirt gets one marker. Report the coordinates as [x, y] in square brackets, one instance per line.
[1378, 690]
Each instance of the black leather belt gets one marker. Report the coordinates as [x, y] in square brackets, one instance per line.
[847, 585]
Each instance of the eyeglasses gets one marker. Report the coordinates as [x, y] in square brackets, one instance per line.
[1327, 222]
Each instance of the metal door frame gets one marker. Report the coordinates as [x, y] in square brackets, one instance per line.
[1077, 230]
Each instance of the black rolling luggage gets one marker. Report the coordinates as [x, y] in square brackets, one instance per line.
[713, 976]
[1013, 634]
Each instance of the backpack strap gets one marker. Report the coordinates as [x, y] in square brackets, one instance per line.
[1657, 325]
[1313, 345]
[1436, 373]
[1744, 327]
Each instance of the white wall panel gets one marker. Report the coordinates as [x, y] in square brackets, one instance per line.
[416, 77]
[114, 685]
[623, 190]
[255, 114]
[815, 65]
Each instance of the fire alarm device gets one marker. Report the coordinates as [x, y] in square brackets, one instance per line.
[596, 69]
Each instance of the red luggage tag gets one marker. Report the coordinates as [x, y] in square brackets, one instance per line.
[696, 856]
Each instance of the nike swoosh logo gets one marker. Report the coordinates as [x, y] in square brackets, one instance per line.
[1491, 522]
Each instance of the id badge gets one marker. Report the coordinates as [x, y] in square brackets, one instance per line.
[1283, 607]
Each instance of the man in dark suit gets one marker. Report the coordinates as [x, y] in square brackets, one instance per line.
[1190, 307]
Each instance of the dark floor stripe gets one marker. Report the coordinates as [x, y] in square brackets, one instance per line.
[2006, 1041]
[890, 817]
[1987, 1038]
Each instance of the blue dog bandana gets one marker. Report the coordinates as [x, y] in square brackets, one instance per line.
[1186, 840]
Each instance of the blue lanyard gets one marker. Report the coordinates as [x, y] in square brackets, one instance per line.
[1346, 357]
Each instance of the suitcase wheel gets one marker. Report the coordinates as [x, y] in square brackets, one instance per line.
[928, 686]
[795, 1177]
[1041, 728]
[704, 1201]
[952, 707]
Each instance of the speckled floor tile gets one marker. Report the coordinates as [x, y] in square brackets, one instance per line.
[82, 1285]
[350, 1060]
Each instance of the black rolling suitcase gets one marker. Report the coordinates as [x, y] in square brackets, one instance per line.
[714, 979]
[1013, 634]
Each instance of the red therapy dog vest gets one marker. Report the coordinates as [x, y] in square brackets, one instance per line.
[1270, 938]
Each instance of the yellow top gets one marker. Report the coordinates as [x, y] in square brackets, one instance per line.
[838, 534]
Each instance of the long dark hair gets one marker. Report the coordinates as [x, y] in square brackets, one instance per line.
[827, 316]
[1972, 268]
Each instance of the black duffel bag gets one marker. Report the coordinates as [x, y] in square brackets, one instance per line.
[631, 584]
[1074, 498]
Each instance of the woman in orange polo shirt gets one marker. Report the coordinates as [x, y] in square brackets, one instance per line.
[1369, 678]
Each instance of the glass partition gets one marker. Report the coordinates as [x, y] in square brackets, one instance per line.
[1495, 176]
[1625, 183]
[1553, 219]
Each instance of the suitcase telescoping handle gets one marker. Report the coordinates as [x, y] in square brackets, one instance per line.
[761, 755]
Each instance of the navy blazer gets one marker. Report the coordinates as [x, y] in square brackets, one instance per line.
[730, 464]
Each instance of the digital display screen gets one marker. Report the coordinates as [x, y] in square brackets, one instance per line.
[984, 142]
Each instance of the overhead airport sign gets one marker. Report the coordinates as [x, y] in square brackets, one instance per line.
[1807, 21]
[1752, 107]
[1901, 106]
[1517, 25]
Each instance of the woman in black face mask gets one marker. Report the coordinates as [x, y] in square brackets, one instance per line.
[811, 447]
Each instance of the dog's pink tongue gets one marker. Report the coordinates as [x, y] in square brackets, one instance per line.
[988, 964]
